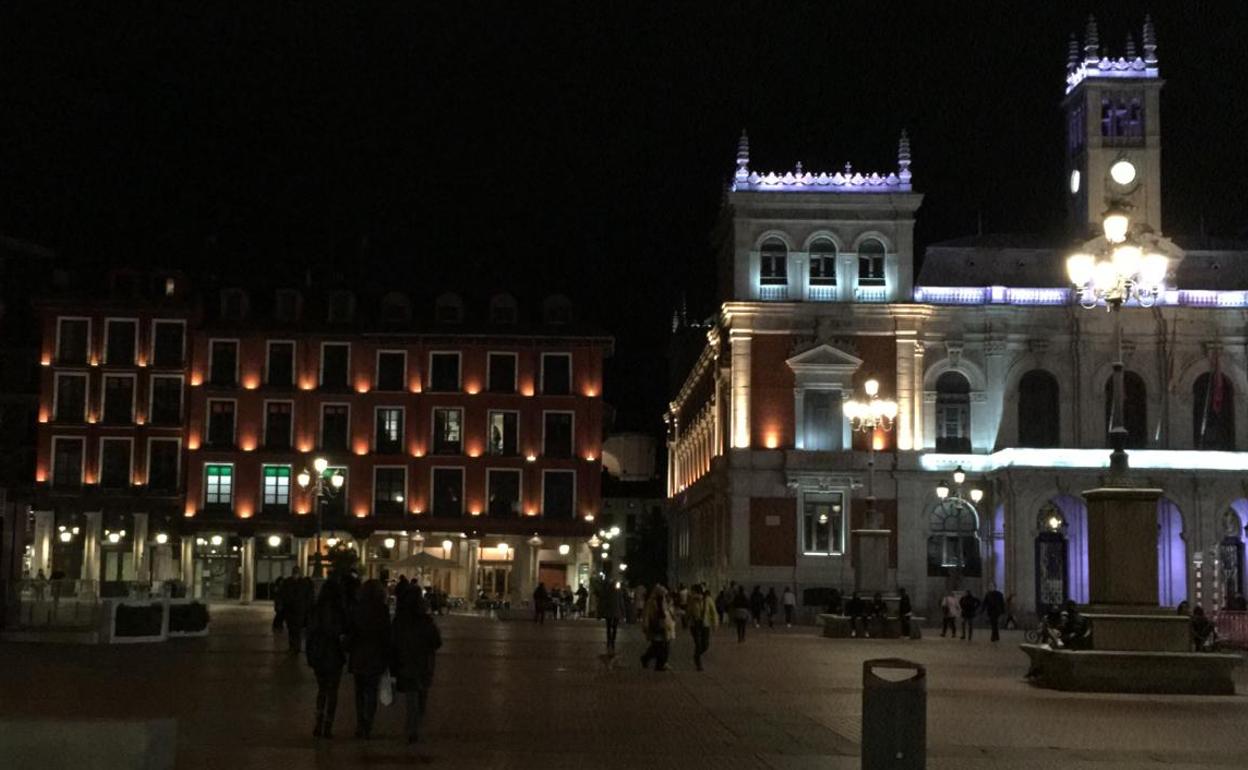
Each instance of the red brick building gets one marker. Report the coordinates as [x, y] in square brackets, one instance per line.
[174, 425]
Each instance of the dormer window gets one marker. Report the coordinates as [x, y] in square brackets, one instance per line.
[823, 263]
[341, 306]
[233, 304]
[871, 263]
[286, 306]
[448, 309]
[557, 310]
[503, 309]
[774, 258]
[395, 308]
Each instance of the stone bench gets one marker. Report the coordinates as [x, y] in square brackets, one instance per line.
[1132, 671]
[839, 626]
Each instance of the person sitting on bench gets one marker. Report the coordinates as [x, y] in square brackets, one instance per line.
[856, 609]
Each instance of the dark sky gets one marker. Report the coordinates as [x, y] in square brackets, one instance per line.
[581, 146]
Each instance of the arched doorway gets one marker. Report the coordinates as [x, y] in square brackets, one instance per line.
[953, 544]
[1171, 554]
[1062, 551]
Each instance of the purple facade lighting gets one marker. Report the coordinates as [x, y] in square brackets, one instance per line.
[1005, 295]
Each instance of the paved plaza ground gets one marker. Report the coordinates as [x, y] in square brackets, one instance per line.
[516, 695]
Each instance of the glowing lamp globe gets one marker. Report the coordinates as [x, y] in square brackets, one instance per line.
[1079, 267]
[320, 464]
[959, 476]
[1153, 269]
[1115, 226]
[871, 387]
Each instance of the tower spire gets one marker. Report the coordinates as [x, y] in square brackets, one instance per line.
[903, 160]
[1150, 41]
[1091, 41]
[743, 157]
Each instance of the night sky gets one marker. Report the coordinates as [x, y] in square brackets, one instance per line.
[577, 146]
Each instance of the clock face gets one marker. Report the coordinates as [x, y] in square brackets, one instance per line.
[1074, 181]
[1122, 172]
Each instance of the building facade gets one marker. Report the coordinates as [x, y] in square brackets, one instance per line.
[995, 368]
[175, 423]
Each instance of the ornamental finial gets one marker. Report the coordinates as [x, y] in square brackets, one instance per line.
[1072, 52]
[903, 159]
[1150, 41]
[1091, 41]
[743, 156]
[1130, 47]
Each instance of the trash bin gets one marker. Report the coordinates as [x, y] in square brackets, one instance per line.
[894, 715]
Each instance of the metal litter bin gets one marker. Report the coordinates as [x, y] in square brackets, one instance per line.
[894, 715]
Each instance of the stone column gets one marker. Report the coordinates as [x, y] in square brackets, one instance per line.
[303, 554]
[162, 563]
[138, 539]
[905, 390]
[474, 553]
[45, 530]
[740, 389]
[188, 565]
[920, 398]
[247, 560]
[522, 566]
[91, 547]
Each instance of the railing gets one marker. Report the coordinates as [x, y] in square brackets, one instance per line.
[821, 292]
[1232, 628]
[871, 294]
[773, 292]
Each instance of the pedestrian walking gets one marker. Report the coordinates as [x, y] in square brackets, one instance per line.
[757, 602]
[904, 612]
[327, 627]
[1010, 621]
[296, 604]
[415, 641]
[772, 604]
[969, 605]
[702, 618]
[740, 612]
[369, 648]
[612, 606]
[994, 608]
[949, 610]
[660, 626]
[789, 600]
[541, 600]
[722, 602]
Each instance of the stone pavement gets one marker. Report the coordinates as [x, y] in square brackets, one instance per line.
[516, 695]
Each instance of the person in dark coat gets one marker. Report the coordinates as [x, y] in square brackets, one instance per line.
[612, 607]
[369, 647]
[740, 612]
[296, 604]
[994, 608]
[904, 610]
[856, 609]
[969, 606]
[414, 642]
[275, 592]
[757, 603]
[540, 601]
[835, 603]
[327, 626]
[772, 603]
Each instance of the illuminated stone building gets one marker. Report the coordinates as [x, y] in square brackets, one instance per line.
[993, 364]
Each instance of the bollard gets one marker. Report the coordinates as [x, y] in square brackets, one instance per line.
[894, 716]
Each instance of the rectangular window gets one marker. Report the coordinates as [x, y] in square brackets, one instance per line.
[119, 341]
[823, 524]
[220, 424]
[504, 434]
[162, 464]
[219, 485]
[335, 364]
[335, 426]
[557, 434]
[559, 494]
[556, 374]
[448, 436]
[71, 397]
[72, 340]
[168, 343]
[114, 463]
[389, 429]
[166, 408]
[502, 372]
[822, 269]
[280, 366]
[389, 491]
[823, 420]
[448, 492]
[773, 268]
[392, 370]
[276, 488]
[503, 493]
[444, 372]
[66, 462]
[223, 363]
[952, 428]
[278, 424]
[118, 400]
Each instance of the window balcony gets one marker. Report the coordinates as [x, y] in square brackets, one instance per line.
[773, 292]
[821, 293]
[871, 294]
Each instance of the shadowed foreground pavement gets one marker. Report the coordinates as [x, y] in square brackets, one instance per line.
[516, 695]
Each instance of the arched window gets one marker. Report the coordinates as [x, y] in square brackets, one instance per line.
[871, 263]
[1213, 413]
[503, 309]
[448, 308]
[953, 539]
[823, 263]
[1134, 409]
[395, 308]
[1039, 421]
[774, 269]
[953, 413]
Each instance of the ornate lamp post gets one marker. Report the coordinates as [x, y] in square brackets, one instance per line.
[1124, 265]
[323, 487]
[871, 542]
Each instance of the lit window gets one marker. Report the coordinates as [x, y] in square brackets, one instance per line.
[389, 429]
[277, 487]
[503, 439]
[448, 436]
[774, 259]
[871, 263]
[823, 263]
[218, 485]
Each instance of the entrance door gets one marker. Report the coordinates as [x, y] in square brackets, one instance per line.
[218, 577]
[1051, 571]
[495, 580]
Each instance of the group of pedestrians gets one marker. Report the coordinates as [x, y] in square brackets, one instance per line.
[349, 626]
[966, 607]
[659, 622]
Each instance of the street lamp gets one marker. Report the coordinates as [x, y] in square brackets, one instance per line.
[1127, 265]
[323, 487]
[868, 416]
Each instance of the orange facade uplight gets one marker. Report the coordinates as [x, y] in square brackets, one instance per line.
[361, 447]
[95, 360]
[361, 513]
[91, 419]
[591, 391]
[307, 383]
[414, 385]
[197, 379]
[418, 452]
[244, 511]
[46, 360]
[251, 382]
[141, 362]
[472, 388]
[305, 446]
[771, 441]
[190, 510]
[877, 440]
[417, 511]
[530, 512]
[526, 389]
[301, 510]
[530, 458]
[475, 512]
[363, 386]
[41, 474]
[590, 458]
[589, 517]
[474, 451]
[43, 414]
[140, 420]
[248, 444]
[192, 442]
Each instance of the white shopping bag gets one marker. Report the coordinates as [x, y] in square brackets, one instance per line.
[385, 690]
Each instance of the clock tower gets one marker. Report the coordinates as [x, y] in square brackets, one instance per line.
[1113, 130]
